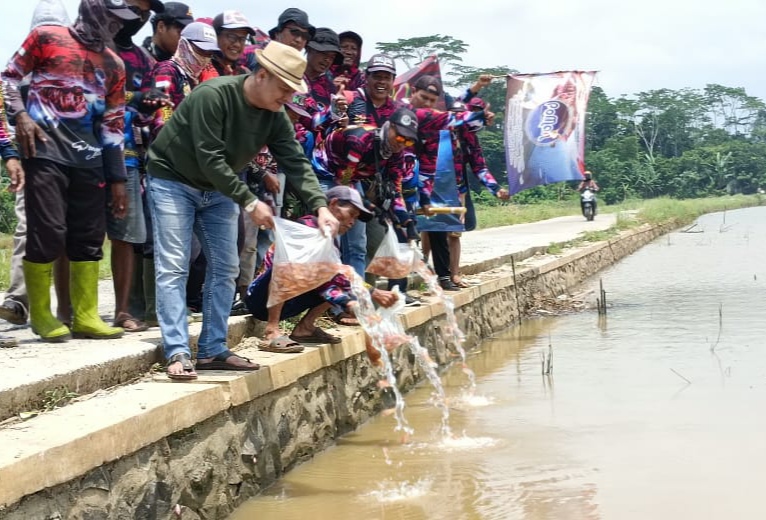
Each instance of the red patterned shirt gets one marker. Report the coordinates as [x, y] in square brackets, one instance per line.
[76, 95]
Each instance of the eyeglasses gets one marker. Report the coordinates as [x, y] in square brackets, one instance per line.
[300, 34]
[406, 141]
[234, 38]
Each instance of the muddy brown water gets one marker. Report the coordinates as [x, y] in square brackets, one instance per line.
[657, 412]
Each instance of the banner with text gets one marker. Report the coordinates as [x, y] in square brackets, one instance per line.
[545, 127]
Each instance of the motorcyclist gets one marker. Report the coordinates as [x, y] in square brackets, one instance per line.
[588, 184]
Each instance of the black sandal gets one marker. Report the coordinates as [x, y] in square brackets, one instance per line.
[219, 363]
[186, 364]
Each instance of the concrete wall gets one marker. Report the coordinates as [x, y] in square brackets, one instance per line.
[212, 467]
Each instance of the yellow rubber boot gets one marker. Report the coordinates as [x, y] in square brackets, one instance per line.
[83, 286]
[38, 280]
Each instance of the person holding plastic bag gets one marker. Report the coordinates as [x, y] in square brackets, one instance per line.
[312, 282]
[393, 259]
[194, 188]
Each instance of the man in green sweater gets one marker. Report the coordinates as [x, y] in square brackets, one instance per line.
[194, 188]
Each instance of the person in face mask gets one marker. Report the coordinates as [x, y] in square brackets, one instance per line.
[129, 231]
[70, 134]
[177, 76]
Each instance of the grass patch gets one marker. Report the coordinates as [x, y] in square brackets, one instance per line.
[667, 211]
[662, 211]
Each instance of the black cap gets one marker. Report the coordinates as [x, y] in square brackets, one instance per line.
[325, 40]
[405, 122]
[351, 35]
[177, 12]
[120, 9]
[157, 6]
[295, 15]
[428, 83]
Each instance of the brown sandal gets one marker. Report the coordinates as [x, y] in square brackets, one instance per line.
[318, 336]
[129, 323]
[345, 318]
[188, 373]
[281, 345]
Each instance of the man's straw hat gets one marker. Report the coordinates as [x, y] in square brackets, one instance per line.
[285, 62]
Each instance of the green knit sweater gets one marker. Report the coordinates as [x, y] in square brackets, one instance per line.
[214, 133]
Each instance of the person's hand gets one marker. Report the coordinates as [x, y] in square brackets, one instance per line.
[482, 81]
[325, 219]
[16, 173]
[119, 199]
[427, 210]
[339, 102]
[148, 102]
[503, 194]
[343, 121]
[262, 216]
[489, 118]
[27, 132]
[340, 83]
[383, 298]
[271, 183]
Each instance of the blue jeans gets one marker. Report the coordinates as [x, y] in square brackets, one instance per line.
[178, 211]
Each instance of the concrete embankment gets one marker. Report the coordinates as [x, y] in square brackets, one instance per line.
[150, 448]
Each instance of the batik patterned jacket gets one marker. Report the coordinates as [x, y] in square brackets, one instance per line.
[76, 96]
[348, 156]
[167, 77]
[138, 64]
[7, 150]
[467, 150]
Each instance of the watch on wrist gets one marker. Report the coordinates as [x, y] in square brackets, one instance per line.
[251, 207]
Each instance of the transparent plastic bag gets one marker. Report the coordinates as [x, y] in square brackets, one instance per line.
[392, 259]
[304, 259]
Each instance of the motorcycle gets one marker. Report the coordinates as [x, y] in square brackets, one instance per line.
[588, 204]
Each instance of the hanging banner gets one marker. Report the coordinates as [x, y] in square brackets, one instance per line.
[545, 127]
[445, 190]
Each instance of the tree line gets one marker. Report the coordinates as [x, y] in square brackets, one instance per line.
[685, 143]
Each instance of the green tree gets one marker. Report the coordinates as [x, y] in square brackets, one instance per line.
[412, 51]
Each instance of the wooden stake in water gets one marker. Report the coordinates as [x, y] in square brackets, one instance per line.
[516, 289]
[601, 301]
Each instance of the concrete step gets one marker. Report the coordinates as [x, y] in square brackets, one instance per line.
[61, 445]
[35, 368]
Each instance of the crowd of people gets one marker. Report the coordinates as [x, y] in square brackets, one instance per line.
[183, 148]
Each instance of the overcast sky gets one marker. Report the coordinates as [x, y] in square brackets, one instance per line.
[636, 46]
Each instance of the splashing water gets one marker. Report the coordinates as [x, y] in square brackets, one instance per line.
[386, 332]
[383, 338]
[452, 332]
[388, 492]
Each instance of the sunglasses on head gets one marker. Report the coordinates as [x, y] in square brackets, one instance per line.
[406, 141]
[300, 34]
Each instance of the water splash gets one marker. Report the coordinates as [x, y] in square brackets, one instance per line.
[388, 491]
[383, 339]
[452, 332]
[470, 400]
[423, 359]
[464, 443]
